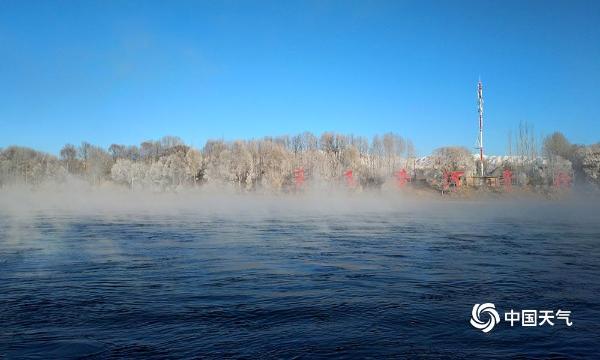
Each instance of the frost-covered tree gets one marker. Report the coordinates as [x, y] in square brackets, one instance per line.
[168, 163]
[21, 165]
[68, 155]
[452, 158]
[557, 144]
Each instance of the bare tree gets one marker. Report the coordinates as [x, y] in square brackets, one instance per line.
[68, 154]
[557, 144]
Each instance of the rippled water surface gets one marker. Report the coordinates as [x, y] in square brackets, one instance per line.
[298, 285]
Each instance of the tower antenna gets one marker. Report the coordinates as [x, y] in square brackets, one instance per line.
[480, 110]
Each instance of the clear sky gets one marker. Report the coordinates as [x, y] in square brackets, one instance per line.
[127, 71]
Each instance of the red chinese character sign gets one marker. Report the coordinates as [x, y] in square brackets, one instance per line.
[299, 177]
[455, 177]
[349, 176]
[402, 178]
[452, 178]
[507, 179]
[562, 180]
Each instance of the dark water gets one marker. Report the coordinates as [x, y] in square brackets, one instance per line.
[356, 284]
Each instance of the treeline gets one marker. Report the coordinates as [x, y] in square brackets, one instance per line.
[169, 163]
[273, 162]
[585, 160]
[540, 160]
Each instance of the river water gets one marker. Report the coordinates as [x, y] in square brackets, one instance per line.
[299, 284]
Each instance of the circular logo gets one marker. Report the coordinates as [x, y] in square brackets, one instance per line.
[484, 309]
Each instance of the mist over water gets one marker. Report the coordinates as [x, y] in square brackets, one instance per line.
[116, 273]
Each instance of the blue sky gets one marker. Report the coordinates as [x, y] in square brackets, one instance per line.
[127, 71]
